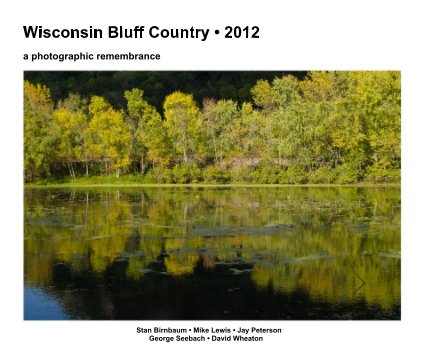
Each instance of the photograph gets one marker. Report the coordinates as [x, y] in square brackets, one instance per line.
[212, 195]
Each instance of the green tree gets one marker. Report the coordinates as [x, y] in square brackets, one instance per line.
[38, 138]
[252, 141]
[159, 146]
[323, 93]
[329, 127]
[70, 122]
[377, 95]
[264, 95]
[136, 109]
[217, 118]
[109, 137]
[182, 123]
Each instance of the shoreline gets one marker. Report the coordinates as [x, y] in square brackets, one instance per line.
[203, 185]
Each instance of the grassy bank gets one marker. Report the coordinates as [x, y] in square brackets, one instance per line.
[143, 181]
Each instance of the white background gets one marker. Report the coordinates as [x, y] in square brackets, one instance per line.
[294, 35]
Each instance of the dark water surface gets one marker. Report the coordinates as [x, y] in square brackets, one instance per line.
[212, 253]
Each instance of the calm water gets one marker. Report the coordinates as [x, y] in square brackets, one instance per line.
[212, 253]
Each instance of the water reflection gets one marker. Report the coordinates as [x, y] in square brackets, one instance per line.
[300, 253]
[39, 305]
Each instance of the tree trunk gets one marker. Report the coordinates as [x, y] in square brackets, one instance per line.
[185, 138]
[71, 170]
[86, 168]
[142, 166]
[185, 154]
[214, 147]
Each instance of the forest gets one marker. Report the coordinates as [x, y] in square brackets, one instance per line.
[316, 127]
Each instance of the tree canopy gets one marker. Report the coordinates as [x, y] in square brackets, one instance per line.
[325, 127]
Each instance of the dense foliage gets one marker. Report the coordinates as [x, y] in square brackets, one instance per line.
[330, 127]
[156, 85]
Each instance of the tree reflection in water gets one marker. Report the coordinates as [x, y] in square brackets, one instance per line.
[221, 253]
